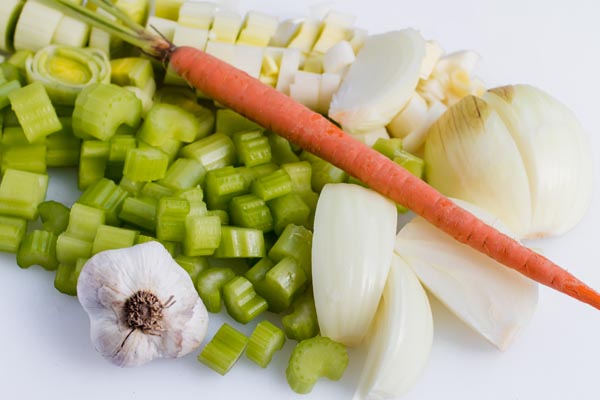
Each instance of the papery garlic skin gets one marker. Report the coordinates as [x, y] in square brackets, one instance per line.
[109, 278]
[495, 301]
[353, 242]
[517, 153]
[400, 339]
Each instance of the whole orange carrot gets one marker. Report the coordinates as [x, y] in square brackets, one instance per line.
[316, 134]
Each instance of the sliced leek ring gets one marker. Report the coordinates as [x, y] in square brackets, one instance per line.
[9, 14]
[32, 35]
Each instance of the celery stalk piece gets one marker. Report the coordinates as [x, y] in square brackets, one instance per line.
[38, 248]
[12, 135]
[62, 148]
[249, 211]
[93, 159]
[192, 265]
[184, 173]
[310, 199]
[186, 99]
[171, 247]
[54, 216]
[240, 243]
[275, 184]
[34, 111]
[388, 147]
[288, 209]
[296, 242]
[147, 164]
[140, 211]
[229, 122]
[131, 71]
[10, 72]
[254, 151]
[5, 89]
[301, 323]
[111, 237]
[21, 192]
[156, 190]
[213, 152]
[10, 119]
[209, 285]
[131, 187]
[105, 195]
[67, 275]
[119, 145]
[84, 221]
[28, 157]
[101, 108]
[242, 302]
[265, 340]
[412, 163]
[282, 284]
[12, 231]
[256, 274]
[70, 247]
[323, 172]
[222, 185]
[171, 219]
[313, 358]
[202, 235]
[170, 147]
[167, 121]
[222, 214]
[197, 206]
[301, 174]
[224, 349]
[239, 266]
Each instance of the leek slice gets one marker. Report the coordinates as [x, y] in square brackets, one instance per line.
[9, 14]
[36, 26]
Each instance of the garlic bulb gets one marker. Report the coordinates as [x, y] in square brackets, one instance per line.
[353, 242]
[141, 304]
[517, 153]
[495, 301]
[400, 339]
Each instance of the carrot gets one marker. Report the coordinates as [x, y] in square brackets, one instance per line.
[316, 134]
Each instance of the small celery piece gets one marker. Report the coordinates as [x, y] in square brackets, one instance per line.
[70, 247]
[238, 265]
[288, 209]
[105, 195]
[224, 349]
[101, 108]
[171, 247]
[156, 191]
[11, 72]
[388, 147]
[230, 122]
[84, 221]
[21, 192]
[282, 284]
[413, 164]
[265, 340]
[171, 219]
[131, 187]
[38, 248]
[310, 199]
[192, 265]
[240, 243]
[249, 211]
[252, 148]
[275, 184]
[302, 322]
[258, 171]
[323, 172]
[119, 145]
[301, 174]
[184, 173]
[166, 121]
[12, 135]
[131, 71]
[170, 147]
[34, 111]
[5, 89]
[202, 235]
[194, 196]
[209, 285]
[12, 231]
[186, 99]
[213, 152]
[62, 148]
[296, 242]
[144, 165]
[222, 214]
[281, 150]
[92, 162]
[67, 275]
[54, 216]
[11, 120]
[242, 302]
[29, 157]
[110, 237]
[256, 274]
[139, 211]
[222, 185]
[313, 358]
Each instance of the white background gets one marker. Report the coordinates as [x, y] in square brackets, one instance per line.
[45, 350]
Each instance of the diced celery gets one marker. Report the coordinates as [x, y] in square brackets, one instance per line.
[301, 174]
[224, 349]
[282, 284]
[105, 195]
[222, 214]
[229, 122]
[194, 196]
[256, 274]
[171, 247]
[70, 247]
[209, 285]
[310, 199]
[323, 172]
[184, 173]
[131, 187]
[62, 148]
[117, 152]
[166, 121]
[84, 221]
[140, 211]
[265, 340]
[170, 148]
[67, 275]
[314, 358]
[388, 147]
[240, 242]
[288, 209]
[5, 89]
[238, 265]
[101, 108]
[222, 185]
[38, 248]
[192, 265]
[111, 237]
[92, 162]
[202, 235]
[21, 192]
[281, 150]
[242, 302]
[147, 164]
[296, 242]
[54, 216]
[29, 157]
[34, 111]
[155, 190]
[171, 219]
[131, 71]
[213, 152]
[302, 323]
[275, 184]
[249, 211]
[413, 164]
[12, 231]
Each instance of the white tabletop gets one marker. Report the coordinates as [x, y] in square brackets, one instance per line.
[553, 44]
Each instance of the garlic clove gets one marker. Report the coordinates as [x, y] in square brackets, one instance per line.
[141, 304]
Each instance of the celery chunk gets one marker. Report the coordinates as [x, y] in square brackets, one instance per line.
[265, 340]
[224, 349]
[21, 192]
